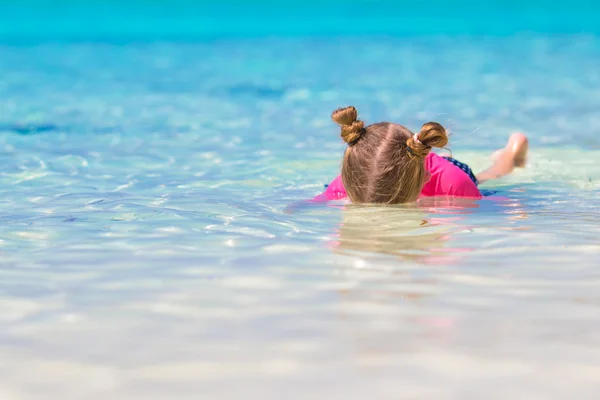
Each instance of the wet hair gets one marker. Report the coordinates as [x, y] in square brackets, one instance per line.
[385, 162]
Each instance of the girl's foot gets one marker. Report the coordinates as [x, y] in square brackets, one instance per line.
[514, 155]
[518, 145]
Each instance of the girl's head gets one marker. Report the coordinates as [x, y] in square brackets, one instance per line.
[385, 162]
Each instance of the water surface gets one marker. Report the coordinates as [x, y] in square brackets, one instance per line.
[153, 245]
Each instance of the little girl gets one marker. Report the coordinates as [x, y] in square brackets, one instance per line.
[386, 163]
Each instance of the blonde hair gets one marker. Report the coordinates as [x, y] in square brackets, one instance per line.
[384, 162]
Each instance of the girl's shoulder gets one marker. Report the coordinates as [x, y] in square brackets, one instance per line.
[447, 179]
[334, 191]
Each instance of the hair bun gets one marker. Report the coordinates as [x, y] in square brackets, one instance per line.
[432, 134]
[352, 127]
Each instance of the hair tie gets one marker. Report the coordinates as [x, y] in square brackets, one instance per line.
[416, 138]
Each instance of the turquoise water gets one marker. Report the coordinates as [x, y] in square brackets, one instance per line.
[125, 21]
[154, 240]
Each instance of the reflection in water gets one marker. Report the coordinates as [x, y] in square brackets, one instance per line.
[421, 232]
[404, 231]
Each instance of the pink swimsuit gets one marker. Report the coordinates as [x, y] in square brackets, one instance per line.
[446, 180]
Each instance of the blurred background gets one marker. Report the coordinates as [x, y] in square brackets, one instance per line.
[189, 20]
[155, 239]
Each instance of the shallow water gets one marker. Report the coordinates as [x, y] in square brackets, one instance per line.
[155, 243]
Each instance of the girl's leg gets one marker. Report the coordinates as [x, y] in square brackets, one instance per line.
[506, 159]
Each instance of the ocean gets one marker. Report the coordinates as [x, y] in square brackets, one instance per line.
[156, 241]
